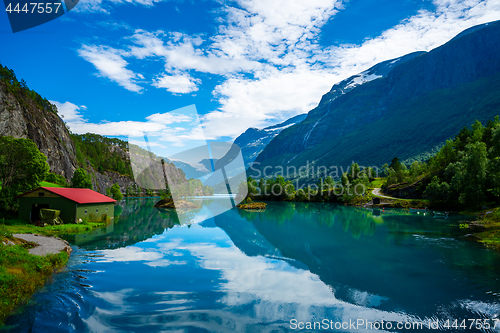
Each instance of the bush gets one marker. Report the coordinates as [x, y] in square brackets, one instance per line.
[116, 193]
[81, 179]
[56, 179]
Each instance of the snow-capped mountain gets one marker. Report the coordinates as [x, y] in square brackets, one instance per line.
[254, 140]
[403, 107]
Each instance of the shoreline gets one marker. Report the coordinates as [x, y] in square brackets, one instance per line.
[29, 256]
[27, 262]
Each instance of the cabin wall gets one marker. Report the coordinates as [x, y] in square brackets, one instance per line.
[67, 207]
[94, 212]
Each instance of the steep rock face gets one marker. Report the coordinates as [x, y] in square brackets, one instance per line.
[411, 108]
[21, 118]
[103, 181]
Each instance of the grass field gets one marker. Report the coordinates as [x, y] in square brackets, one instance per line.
[21, 227]
[378, 182]
[47, 184]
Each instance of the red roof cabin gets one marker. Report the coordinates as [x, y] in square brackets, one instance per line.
[76, 204]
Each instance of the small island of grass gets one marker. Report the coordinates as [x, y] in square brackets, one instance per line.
[253, 206]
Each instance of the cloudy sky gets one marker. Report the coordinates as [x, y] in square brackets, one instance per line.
[116, 66]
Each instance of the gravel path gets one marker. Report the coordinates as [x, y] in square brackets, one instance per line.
[376, 191]
[46, 245]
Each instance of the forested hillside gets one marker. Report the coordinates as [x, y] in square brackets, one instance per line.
[464, 173]
[103, 154]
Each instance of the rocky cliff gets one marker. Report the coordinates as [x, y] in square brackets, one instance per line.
[20, 117]
[25, 114]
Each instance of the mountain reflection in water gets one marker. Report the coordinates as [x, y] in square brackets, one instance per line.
[255, 271]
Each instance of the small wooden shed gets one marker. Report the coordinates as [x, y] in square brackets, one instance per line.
[75, 204]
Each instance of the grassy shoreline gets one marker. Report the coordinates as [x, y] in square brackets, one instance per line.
[20, 227]
[21, 273]
[486, 229]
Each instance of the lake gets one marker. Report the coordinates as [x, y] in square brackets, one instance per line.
[295, 265]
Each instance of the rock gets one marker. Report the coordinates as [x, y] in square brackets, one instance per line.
[165, 203]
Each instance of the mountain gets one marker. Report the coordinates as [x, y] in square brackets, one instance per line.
[254, 140]
[25, 114]
[189, 170]
[403, 107]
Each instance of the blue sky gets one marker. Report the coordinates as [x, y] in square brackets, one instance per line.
[116, 66]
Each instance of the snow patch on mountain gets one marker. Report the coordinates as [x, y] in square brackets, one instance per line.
[362, 78]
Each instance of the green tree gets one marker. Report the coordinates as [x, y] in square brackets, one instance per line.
[494, 177]
[22, 168]
[344, 180]
[471, 182]
[396, 165]
[370, 173]
[495, 143]
[116, 193]
[56, 179]
[81, 179]
[437, 191]
[477, 132]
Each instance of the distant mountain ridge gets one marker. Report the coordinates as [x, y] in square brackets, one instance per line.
[254, 140]
[402, 107]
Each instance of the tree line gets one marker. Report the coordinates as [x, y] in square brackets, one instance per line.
[465, 172]
[21, 91]
[351, 187]
[102, 153]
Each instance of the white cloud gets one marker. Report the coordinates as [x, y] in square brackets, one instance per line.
[183, 52]
[156, 124]
[309, 72]
[105, 7]
[110, 64]
[283, 291]
[90, 6]
[131, 253]
[178, 83]
[267, 55]
[253, 103]
[422, 32]
[165, 263]
[169, 118]
[69, 111]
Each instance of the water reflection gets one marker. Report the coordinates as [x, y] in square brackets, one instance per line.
[255, 271]
[413, 262]
[136, 220]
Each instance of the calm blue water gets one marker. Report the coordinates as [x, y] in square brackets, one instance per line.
[257, 271]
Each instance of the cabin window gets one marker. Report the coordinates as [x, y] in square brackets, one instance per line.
[106, 209]
[41, 194]
[85, 212]
[97, 210]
